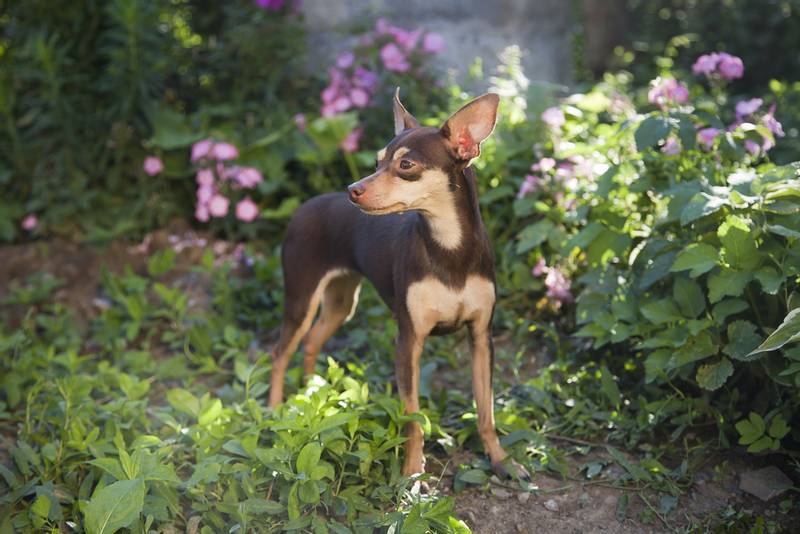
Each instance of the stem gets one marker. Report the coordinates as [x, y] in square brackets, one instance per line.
[351, 165]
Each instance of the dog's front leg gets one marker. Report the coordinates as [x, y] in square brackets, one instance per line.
[409, 349]
[482, 362]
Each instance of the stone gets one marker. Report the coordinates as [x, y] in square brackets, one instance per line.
[551, 505]
[765, 483]
[523, 497]
[500, 493]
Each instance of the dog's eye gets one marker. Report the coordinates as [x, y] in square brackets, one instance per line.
[406, 164]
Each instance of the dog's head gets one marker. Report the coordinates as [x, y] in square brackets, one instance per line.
[417, 169]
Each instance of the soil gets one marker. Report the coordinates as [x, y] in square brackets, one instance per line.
[556, 506]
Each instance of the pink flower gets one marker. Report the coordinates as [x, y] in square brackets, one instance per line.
[706, 137]
[558, 285]
[342, 104]
[752, 147]
[205, 177]
[546, 164]
[394, 59]
[329, 94]
[30, 222]
[153, 165]
[218, 205]
[730, 67]
[665, 91]
[671, 147]
[224, 152]
[359, 97]
[748, 107]
[365, 78]
[301, 122]
[345, 60]
[201, 213]
[528, 186]
[204, 194]
[381, 26]
[772, 123]
[201, 149]
[540, 268]
[433, 43]
[408, 40]
[350, 143]
[554, 117]
[706, 64]
[248, 177]
[246, 210]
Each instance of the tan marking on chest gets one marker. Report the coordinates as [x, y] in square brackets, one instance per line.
[430, 302]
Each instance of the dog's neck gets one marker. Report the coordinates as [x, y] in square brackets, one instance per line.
[453, 217]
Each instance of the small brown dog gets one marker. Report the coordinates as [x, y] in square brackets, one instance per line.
[427, 254]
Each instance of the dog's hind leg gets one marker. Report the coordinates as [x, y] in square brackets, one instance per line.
[339, 301]
[301, 301]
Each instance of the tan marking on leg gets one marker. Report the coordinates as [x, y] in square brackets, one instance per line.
[414, 462]
[339, 302]
[287, 344]
[484, 395]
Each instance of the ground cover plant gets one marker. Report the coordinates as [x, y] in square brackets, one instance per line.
[647, 249]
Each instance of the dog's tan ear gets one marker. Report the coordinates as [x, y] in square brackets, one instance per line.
[403, 120]
[470, 125]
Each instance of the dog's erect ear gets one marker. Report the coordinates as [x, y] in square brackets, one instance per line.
[403, 120]
[470, 125]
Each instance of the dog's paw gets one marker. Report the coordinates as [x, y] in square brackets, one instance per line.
[510, 468]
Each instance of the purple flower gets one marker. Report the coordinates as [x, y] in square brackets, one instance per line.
[752, 147]
[301, 122]
[544, 165]
[730, 67]
[528, 186]
[345, 60]
[540, 268]
[408, 40]
[224, 152]
[671, 147]
[359, 97]
[381, 26]
[558, 285]
[204, 194]
[205, 177]
[365, 79]
[153, 165]
[30, 222]
[433, 43]
[246, 210]
[772, 123]
[706, 64]
[248, 177]
[274, 5]
[350, 143]
[665, 91]
[201, 149]
[394, 59]
[218, 205]
[201, 212]
[747, 107]
[706, 137]
[554, 117]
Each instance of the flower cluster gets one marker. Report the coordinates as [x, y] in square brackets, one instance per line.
[352, 81]
[557, 283]
[277, 5]
[667, 91]
[719, 65]
[216, 176]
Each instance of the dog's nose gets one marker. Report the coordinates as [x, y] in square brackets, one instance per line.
[356, 190]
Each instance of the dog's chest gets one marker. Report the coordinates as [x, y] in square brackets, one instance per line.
[433, 305]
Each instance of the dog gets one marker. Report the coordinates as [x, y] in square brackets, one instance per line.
[413, 228]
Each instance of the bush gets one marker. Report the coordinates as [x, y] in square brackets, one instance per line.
[681, 240]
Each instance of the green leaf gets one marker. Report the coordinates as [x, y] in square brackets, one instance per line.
[739, 245]
[114, 507]
[713, 376]
[183, 401]
[111, 466]
[726, 308]
[473, 476]
[742, 339]
[761, 444]
[171, 129]
[699, 257]
[750, 429]
[308, 458]
[651, 130]
[689, 296]
[787, 332]
[609, 386]
[661, 311]
[655, 364]
[534, 235]
[783, 231]
[700, 205]
[727, 283]
[778, 427]
[770, 279]
[210, 413]
[308, 491]
[696, 348]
